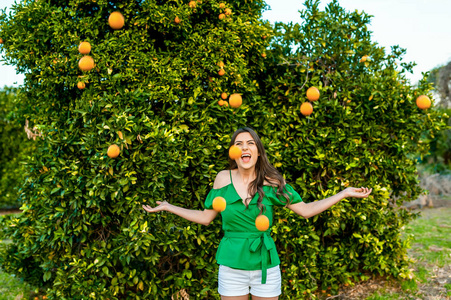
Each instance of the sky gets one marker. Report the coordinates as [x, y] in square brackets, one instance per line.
[422, 27]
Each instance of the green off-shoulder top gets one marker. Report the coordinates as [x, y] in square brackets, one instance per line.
[243, 246]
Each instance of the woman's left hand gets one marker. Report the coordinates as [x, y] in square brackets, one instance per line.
[362, 192]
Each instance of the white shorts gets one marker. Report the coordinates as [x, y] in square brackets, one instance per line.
[234, 282]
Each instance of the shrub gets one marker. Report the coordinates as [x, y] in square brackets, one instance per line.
[154, 92]
[14, 149]
[438, 159]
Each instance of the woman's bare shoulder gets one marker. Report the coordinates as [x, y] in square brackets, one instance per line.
[222, 179]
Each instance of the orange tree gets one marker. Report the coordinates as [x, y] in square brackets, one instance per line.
[157, 92]
[14, 149]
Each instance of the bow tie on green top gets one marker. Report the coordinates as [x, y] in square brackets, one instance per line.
[258, 241]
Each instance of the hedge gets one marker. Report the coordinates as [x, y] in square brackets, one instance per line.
[154, 92]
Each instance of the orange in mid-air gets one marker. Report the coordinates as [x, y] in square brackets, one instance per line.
[116, 20]
[86, 63]
[219, 204]
[235, 100]
[235, 152]
[81, 85]
[423, 102]
[313, 93]
[84, 48]
[306, 108]
[262, 223]
[113, 151]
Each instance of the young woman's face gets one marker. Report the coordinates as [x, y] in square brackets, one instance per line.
[249, 150]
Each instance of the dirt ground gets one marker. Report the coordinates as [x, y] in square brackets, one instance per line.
[433, 290]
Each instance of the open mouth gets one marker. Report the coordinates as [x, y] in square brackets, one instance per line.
[246, 158]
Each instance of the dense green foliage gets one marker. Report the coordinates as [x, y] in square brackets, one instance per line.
[83, 232]
[438, 160]
[14, 149]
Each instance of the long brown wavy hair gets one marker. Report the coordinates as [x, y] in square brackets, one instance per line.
[263, 169]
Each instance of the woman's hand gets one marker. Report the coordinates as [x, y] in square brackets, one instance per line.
[353, 192]
[162, 206]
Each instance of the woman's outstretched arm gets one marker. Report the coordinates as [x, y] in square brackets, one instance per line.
[311, 209]
[203, 217]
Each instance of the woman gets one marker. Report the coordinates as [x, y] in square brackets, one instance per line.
[247, 258]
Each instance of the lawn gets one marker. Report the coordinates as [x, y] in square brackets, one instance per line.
[12, 288]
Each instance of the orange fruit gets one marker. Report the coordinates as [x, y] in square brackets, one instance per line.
[225, 103]
[86, 63]
[177, 20]
[423, 102]
[262, 223]
[263, 55]
[221, 72]
[219, 204]
[221, 16]
[234, 152]
[364, 58]
[228, 11]
[224, 96]
[192, 4]
[113, 151]
[221, 102]
[221, 5]
[306, 108]
[81, 85]
[313, 93]
[1, 41]
[235, 100]
[116, 20]
[221, 64]
[84, 48]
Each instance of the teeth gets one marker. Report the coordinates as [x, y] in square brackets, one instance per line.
[246, 155]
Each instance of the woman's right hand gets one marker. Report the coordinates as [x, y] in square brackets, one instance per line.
[162, 206]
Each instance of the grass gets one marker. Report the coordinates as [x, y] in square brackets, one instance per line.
[448, 289]
[13, 288]
[431, 253]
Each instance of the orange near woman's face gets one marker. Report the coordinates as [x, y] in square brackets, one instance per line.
[249, 150]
